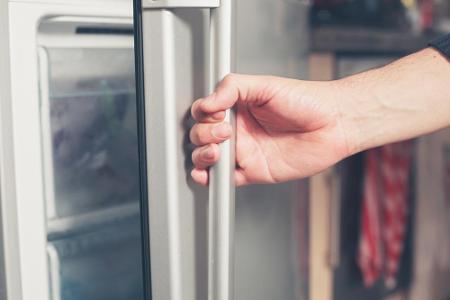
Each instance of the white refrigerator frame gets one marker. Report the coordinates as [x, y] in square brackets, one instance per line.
[27, 276]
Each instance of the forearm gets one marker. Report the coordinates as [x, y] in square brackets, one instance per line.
[405, 99]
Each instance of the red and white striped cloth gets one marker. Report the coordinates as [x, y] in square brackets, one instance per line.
[384, 212]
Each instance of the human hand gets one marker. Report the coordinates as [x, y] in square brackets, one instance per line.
[288, 129]
[285, 129]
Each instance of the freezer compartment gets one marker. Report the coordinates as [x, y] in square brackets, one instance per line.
[89, 129]
[90, 265]
[90, 159]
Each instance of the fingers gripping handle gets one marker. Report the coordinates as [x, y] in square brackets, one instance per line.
[221, 176]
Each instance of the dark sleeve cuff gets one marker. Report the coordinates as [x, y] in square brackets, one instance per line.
[442, 44]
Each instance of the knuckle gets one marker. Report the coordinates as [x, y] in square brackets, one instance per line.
[216, 152]
[198, 160]
[229, 79]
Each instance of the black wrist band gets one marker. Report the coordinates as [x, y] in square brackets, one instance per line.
[442, 44]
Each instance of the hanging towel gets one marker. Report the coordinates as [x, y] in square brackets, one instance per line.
[384, 212]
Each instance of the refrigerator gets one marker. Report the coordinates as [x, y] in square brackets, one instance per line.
[96, 198]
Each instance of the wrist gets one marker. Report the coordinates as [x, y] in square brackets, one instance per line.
[358, 108]
[405, 99]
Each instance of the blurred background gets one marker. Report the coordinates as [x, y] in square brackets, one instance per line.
[389, 208]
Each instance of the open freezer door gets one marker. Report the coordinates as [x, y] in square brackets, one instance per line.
[183, 49]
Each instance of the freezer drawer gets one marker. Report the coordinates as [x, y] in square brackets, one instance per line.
[104, 264]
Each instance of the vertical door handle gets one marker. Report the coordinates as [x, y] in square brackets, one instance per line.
[221, 175]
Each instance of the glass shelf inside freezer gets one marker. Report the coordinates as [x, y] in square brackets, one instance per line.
[79, 224]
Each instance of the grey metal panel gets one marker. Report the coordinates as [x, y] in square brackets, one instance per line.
[272, 38]
[175, 61]
[10, 285]
[265, 262]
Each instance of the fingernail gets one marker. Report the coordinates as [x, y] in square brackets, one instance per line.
[221, 131]
[208, 153]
